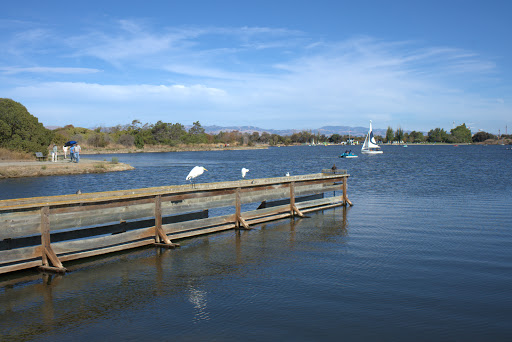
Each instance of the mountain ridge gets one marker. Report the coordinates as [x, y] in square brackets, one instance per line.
[326, 130]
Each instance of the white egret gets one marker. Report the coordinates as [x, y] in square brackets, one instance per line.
[287, 174]
[195, 172]
[244, 172]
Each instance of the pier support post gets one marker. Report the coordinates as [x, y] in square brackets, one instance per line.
[238, 212]
[161, 239]
[345, 198]
[51, 262]
[293, 208]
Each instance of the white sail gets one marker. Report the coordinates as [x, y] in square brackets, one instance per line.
[370, 145]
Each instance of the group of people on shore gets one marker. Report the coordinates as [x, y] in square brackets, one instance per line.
[74, 152]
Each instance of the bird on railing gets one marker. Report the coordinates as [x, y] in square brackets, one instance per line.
[195, 172]
[244, 172]
[78, 192]
[287, 174]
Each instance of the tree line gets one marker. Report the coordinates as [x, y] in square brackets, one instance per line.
[19, 130]
[460, 134]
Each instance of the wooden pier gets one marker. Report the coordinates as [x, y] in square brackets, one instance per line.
[46, 232]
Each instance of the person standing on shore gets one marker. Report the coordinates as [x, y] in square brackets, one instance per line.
[65, 149]
[78, 149]
[72, 153]
[54, 153]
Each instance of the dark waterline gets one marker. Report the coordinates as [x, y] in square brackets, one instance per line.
[423, 255]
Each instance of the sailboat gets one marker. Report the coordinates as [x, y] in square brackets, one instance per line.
[370, 145]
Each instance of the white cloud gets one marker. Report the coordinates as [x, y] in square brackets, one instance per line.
[85, 92]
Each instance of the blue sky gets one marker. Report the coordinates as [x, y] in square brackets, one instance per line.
[276, 64]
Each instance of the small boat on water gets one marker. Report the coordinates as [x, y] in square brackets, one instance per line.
[348, 154]
[370, 145]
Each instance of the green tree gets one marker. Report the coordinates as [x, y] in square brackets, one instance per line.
[255, 137]
[389, 135]
[177, 131]
[196, 135]
[19, 130]
[482, 136]
[461, 134]
[416, 137]
[265, 138]
[139, 141]
[335, 138]
[437, 135]
[196, 128]
[399, 134]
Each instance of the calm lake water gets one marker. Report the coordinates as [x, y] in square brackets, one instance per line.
[425, 254]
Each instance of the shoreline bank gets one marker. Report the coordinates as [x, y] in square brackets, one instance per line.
[23, 168]
[155, 149]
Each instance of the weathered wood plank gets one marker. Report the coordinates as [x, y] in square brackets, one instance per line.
[66, 200]
[196, 224]
[20, 266]
[30, 225]
[320, 202]
[268, 218]
[324, 207]
[18, 224]
[188, 234]
[19, 254]
[102, 241]
[106, 250]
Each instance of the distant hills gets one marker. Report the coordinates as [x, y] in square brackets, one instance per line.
[326, 130]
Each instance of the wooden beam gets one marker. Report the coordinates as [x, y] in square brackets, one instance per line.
[237, 208]
[244, 223]
[51, 269]
[48, 255]
[297, 211]
[344, 192]
[292, 198]
[161, 239]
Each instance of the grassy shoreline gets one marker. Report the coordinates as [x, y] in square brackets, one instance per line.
[24, 168]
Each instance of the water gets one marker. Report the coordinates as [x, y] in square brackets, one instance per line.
[424, 255]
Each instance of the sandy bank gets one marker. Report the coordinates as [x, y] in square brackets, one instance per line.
[15, 169]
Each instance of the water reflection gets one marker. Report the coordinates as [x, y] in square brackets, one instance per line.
[99, 288]
[197, 297]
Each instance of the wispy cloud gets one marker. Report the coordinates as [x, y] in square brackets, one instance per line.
[274, 76]
[47, 70]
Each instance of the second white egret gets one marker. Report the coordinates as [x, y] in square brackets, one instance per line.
[244, 172]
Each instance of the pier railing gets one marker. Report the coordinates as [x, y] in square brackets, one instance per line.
[44, 232]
